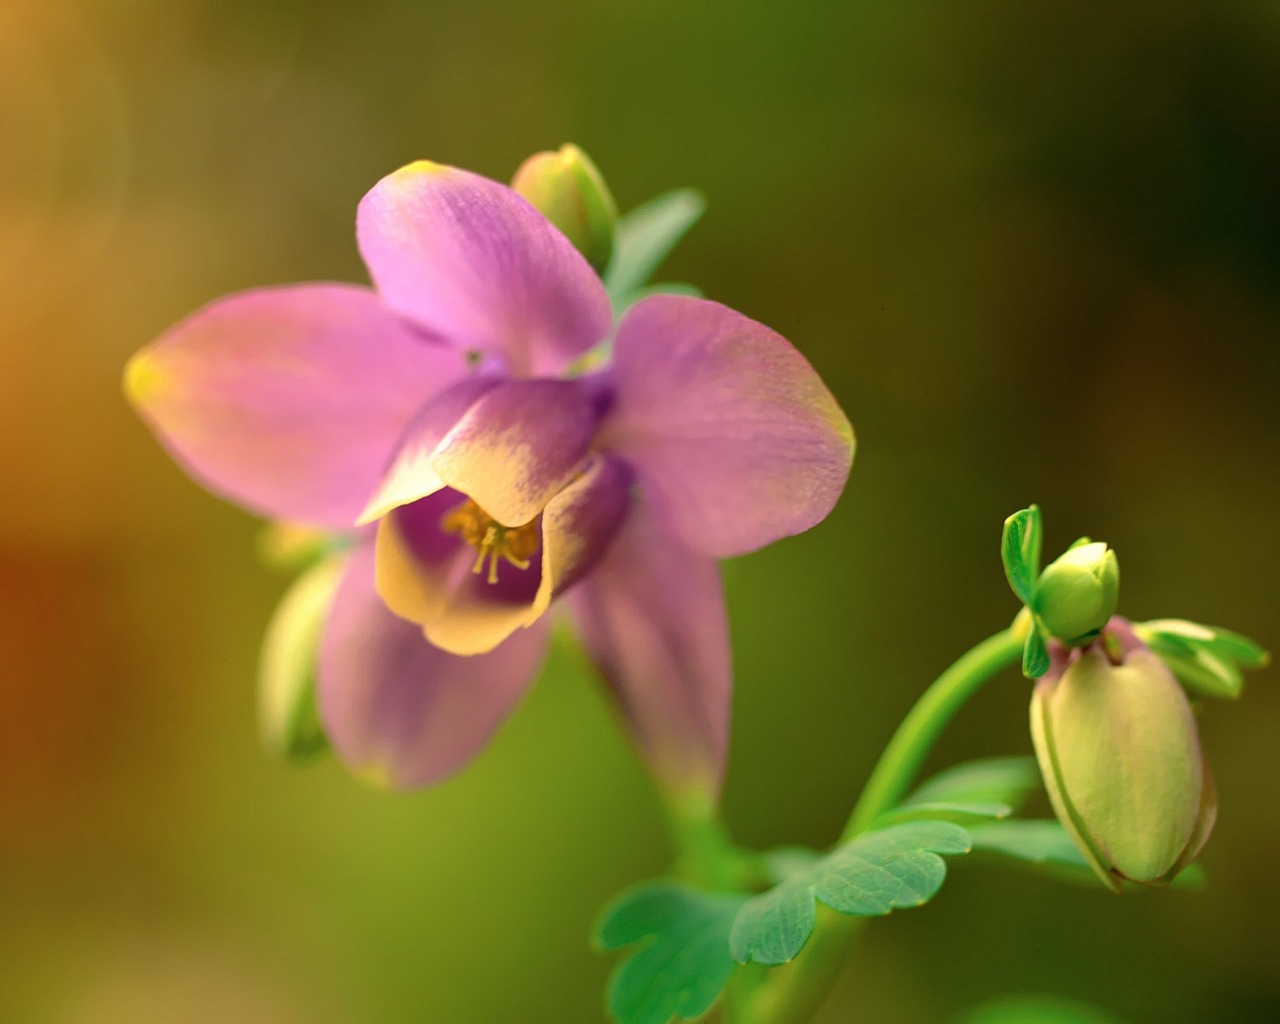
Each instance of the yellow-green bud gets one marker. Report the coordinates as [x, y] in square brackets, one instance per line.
[569, 191]
[1121, 760]
[288, 720]
[1077, 594]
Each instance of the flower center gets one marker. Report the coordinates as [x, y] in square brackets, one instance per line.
[492, 540]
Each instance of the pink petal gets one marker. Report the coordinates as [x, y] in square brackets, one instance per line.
[400, 711]
[510, 449]
[734, 438]
[652, 617]
[472, 261]
[289, 401]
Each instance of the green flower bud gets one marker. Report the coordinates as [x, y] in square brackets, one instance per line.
[1121, 759]
[288, 719]
[568, 190]
[1077, 594]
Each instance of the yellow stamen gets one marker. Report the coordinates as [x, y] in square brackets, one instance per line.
[492, 540]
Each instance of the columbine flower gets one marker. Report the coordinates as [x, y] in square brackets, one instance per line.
[1121, 759]
[441, 406]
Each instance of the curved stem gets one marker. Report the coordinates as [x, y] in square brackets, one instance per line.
[791, 994]
[919, 731]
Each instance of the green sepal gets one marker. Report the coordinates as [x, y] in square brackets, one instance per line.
[681, 962]
[644, 238]
[1207, 660]
[1020, 551]
[895, 868]
[994, 787]
[1046, 848]
[1035, 655]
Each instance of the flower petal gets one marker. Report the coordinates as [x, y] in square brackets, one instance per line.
[517, 446]
[735, 440]
[652, 617]
[411, 476]
[473, 261]
[578, 526]
[400, 711]
[290, 400]
[428, 576]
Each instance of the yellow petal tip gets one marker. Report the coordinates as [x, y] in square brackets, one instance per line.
[143, 380]
[376, 775]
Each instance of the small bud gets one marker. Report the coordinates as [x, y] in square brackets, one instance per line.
[569, 191]
[1077, 594]
[288, 719]
[1121, 760]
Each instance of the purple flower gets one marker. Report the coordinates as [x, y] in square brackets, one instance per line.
[443, 406]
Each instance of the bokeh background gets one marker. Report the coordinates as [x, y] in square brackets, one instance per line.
[1033, 248]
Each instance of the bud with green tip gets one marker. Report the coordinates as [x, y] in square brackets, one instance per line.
[570, 192]
[288, 718]
[1077, 593]
[1121, 759]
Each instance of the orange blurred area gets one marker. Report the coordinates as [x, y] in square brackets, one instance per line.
[1034, 250]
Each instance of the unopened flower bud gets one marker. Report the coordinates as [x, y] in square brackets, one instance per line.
[569, 191]
[1121, 760]
[288, 720]
[1077, 594]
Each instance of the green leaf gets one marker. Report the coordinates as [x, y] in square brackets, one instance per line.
[1207, 660]
[895, 868]
[1046, 848]
[681, 962]
[1037, 1009]
[1042, 845]
[1035, 656]
[993, 787]
[644, 238]
[1020, 551]
[1003, 780]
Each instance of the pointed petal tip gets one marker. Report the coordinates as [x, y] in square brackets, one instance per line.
[142, 379]
[376, 775]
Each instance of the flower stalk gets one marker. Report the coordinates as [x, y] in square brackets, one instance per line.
[791, 994]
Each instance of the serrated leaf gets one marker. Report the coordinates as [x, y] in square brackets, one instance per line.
[1040, 844]
[960, 814]
[644, 238]
[993, 787]
[895, 868]
[1035, 656]
[681, 963]
[997, 780]
[786, 861]
[1020, 551]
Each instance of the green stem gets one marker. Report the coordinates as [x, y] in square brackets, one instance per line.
[792, 994]
[705, 854]
[919, 731]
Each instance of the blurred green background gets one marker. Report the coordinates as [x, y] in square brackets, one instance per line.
[1033, 248]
